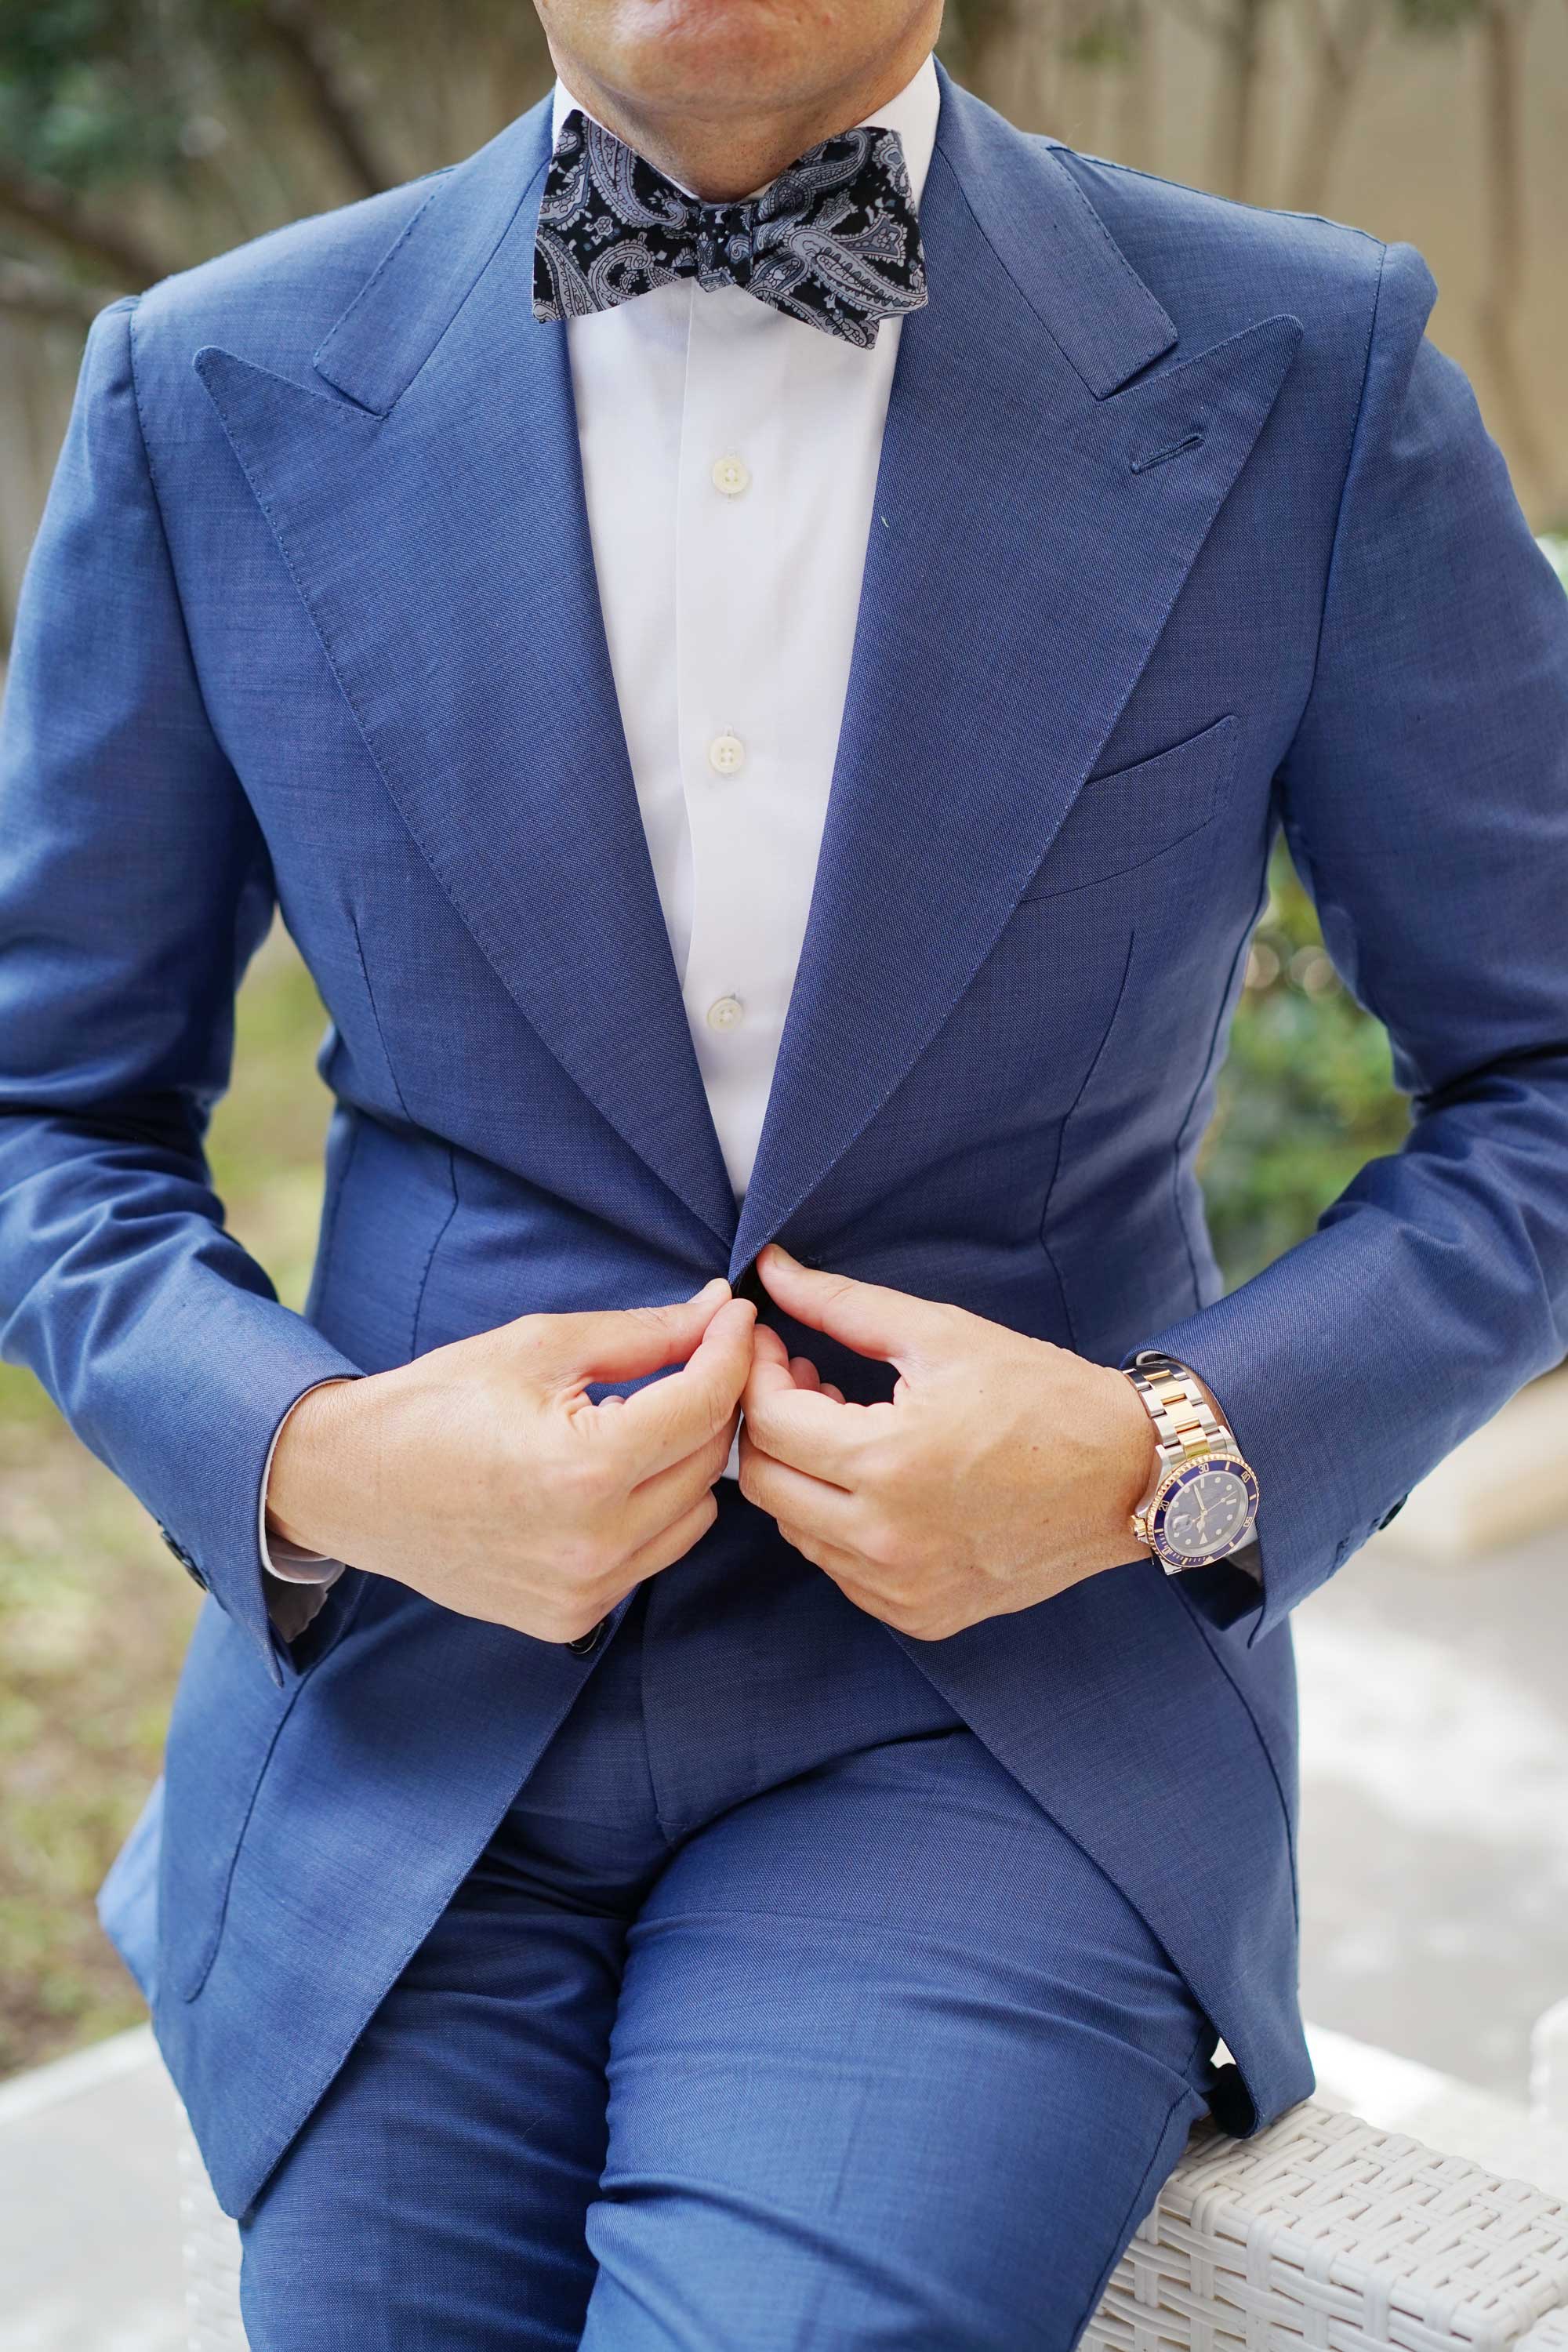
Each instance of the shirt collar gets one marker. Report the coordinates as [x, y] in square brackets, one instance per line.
[912, 113]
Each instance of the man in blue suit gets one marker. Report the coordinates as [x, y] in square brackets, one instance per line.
[621, 1905]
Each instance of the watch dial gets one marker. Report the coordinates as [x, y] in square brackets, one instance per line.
[1207, 1515]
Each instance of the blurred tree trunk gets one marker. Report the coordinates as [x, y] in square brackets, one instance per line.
[1341, 43]
[293, 32]
[1501, 31]
[66, 226]
[29, 292]
[1239, 37]
[1234, 30]
[1136, 129]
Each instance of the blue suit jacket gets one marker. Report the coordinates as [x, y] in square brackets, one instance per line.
[1182, 531]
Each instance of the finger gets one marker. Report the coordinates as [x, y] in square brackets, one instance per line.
[838, 1395]
[804, 1427]
[712, 1450]
[865, 1597]
[862, 1315]
[804, 1372]
[659, 1501]
[674, 1542]
[670, 1418]
[845, 1568]
[619, 1344]
[770, 1375]
[824, 1512]
[823, 1555]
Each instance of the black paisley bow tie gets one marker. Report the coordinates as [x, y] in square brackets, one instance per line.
[834, 240]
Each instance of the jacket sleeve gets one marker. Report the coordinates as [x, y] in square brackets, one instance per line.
[135, 886]
[1425, 801]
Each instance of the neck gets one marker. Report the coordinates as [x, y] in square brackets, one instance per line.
[723, 151]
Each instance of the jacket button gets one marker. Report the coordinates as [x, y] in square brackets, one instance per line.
[184, 1557]
[586, 1643]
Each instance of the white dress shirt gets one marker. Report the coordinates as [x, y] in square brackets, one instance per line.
[730, 457]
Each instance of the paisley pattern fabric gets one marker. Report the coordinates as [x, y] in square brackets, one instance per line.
[834, 240]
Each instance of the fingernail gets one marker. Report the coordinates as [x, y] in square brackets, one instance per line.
[707, 1289]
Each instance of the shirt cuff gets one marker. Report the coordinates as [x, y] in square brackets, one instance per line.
[1249, 1559]
[288, 1561]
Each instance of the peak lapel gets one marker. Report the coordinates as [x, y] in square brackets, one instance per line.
[1026, 550]
[437, 532]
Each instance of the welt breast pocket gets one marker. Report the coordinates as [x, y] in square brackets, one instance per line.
[1126, 818]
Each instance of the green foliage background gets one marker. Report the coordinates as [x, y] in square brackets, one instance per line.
[1306, 1097]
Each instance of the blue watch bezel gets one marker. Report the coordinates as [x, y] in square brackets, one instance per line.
[1174, 1484]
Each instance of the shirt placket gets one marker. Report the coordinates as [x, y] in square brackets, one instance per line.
[738, 964]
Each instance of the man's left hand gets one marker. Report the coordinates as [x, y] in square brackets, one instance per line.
[1002, 1471]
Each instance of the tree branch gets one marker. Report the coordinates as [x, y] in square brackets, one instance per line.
[294, 38]
[40, 210]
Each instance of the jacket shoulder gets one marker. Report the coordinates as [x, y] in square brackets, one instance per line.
[1216, 266]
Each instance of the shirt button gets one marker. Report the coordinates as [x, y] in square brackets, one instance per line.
[726, 1012]
[726, 755]
[731, 476]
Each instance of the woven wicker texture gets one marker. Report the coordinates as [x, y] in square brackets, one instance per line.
[1325, 2233]
[210, 2242]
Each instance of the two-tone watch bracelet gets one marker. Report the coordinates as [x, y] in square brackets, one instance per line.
[1185, 1423]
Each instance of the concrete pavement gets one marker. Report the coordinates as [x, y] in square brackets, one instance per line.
[1435, 1803]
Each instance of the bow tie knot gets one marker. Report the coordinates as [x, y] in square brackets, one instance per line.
[726, 244]
[833, 241]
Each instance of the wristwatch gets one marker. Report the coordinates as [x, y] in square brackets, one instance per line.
[1203, 1504]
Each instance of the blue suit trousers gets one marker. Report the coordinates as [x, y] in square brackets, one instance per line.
[776, 2014]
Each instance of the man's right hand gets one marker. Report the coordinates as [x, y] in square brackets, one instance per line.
[483, 1475]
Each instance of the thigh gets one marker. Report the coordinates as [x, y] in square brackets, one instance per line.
[435, 2201]
[894, 2065]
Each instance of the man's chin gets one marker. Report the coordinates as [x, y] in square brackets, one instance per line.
[706, 59]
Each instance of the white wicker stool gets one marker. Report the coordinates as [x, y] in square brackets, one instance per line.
[210, 2244]
[1324, 2232]
[1321, 2235]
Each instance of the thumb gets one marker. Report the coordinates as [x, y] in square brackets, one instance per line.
[901, 1330]
[620, 1343]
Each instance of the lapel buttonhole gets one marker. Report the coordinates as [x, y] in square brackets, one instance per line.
[1163, 456]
